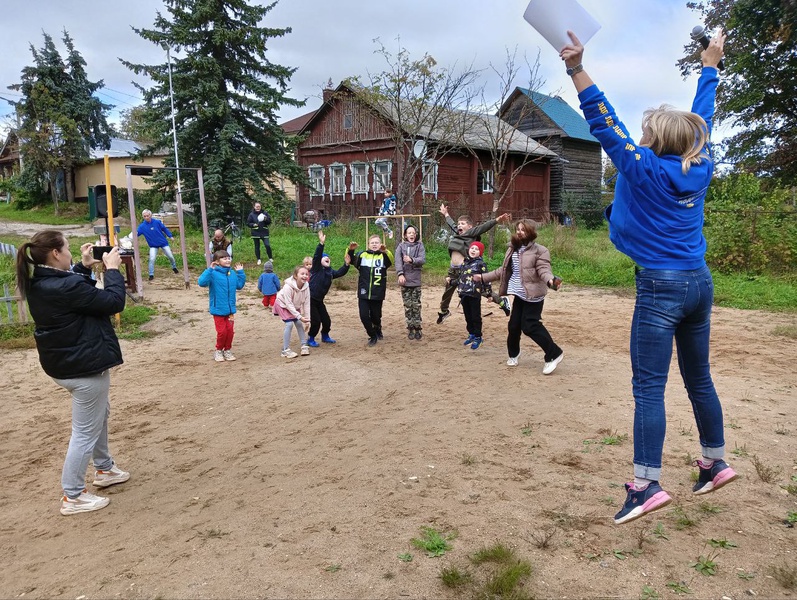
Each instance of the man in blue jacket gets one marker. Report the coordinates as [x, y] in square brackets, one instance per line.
[155, 232]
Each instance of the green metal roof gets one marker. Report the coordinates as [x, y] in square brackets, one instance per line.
[561, 113]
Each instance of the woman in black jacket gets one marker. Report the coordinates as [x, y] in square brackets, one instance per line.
[258, 222]
[77, 346]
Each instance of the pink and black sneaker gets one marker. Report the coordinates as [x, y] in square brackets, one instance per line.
[641, 502]
[713, 477]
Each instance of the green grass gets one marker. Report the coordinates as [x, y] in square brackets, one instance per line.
[581, 257]
[433, 542]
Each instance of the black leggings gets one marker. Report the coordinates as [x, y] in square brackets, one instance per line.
[265, 243]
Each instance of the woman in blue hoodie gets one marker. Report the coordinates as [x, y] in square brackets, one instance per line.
[657, 220]
[223, 284]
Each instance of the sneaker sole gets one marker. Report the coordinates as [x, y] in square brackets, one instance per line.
[655, 502]
[724, 477]
[72, 509]
[103, 483]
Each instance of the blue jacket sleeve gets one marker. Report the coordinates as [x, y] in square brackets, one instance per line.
[204, 278]
[241, 280]
[705, 95]
[165, 230]
[340, 272]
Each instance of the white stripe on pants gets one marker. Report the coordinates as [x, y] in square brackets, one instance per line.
[90, 409]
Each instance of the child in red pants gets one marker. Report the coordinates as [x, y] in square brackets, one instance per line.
[223, 283]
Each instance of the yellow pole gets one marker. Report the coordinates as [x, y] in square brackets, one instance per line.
[109, 202]
[109, 211]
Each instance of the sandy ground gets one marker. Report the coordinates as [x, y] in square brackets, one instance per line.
[268, 478]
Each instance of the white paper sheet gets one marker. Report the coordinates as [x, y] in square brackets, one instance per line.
[552, 19]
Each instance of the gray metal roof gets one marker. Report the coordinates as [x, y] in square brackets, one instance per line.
[119, 149]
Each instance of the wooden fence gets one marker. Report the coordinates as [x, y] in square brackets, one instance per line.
[15, 309]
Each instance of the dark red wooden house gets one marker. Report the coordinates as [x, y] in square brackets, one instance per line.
[351, 154]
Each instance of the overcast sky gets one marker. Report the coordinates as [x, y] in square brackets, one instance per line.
[632, 58]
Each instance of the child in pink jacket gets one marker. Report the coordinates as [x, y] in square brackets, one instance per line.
[293, 307]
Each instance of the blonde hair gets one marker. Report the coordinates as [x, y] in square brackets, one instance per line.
[667, 130]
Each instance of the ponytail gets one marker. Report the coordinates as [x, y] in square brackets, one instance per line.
[35, 252]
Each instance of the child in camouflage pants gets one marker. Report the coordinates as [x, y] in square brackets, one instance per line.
[410, 257]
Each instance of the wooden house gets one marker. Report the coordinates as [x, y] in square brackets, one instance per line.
[554, 123]
[352, 153]
[9, 155]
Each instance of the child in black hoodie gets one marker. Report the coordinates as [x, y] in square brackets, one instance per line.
[321, 276]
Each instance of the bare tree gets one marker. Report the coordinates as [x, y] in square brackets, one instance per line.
[492, 135]
[422, 108]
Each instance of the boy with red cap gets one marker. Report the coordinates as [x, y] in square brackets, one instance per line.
[470, 293]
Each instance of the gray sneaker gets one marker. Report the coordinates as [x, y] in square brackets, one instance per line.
[110, 477]
[84, 503]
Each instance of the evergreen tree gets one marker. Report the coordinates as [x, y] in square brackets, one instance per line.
[226, 94]
[61, 120]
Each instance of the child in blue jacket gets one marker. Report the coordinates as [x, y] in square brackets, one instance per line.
[223, 284]
[268, 284]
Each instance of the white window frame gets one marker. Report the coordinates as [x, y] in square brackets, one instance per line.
[488, 181]
[359, 181]
[315, 173]
[388, 175]
[429, 182]
[337, 183]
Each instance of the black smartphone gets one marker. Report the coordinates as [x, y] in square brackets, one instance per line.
[98, 251]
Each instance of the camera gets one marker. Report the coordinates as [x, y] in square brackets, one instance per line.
[98, 251]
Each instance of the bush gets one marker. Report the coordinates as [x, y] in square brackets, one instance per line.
[748, 230]
[584, 208]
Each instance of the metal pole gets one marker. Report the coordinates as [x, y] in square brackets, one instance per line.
[180, 220]
[134, 234]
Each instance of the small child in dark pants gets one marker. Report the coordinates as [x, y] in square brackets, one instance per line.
[321, 276]
[268, 284]
[470, 293]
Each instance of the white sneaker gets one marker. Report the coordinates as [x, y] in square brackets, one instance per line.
[259, 261]
[288, 353]
[305, 351]
[550, 367]
[111, 477]
[228, 355]
[513, 360]
[218, 356]
[84, 503]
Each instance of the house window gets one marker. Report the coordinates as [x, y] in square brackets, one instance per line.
[337, 179]
[382, 174]
[485, 182]
[359, 178]
[316, 176]
[429, 185]
[347, 121]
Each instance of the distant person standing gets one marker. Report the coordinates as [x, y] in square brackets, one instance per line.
[258, 222]
[156, 234]
[220, 242]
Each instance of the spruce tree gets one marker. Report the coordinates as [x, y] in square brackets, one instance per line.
[226, 95]
[61, 120]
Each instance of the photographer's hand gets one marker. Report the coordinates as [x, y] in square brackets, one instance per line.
[86, 256]
[111, 259]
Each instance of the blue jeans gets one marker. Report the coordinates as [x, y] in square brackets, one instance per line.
[672, 304]
[90, 410]
[153, 253]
